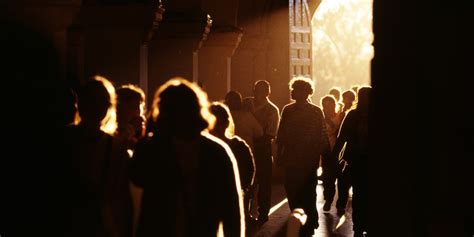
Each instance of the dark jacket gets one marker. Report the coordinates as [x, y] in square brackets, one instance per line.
[353, 132]
[245, 161]
[217, 198]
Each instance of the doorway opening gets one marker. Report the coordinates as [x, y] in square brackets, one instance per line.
[342, 48]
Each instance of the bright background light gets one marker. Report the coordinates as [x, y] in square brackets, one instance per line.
[342, 44]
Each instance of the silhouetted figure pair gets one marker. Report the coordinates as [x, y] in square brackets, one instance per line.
[354, 132]
[302, 139]
[101, 204]
[189, 177]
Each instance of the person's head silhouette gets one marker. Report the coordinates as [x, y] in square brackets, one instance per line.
[130, 102]
[180, 108]
[363, 98]
[301, 88]
[224, 126]
[96, 104]
[348, 99]
[329, 104]
[336, 92]
[233, 99]
[261, 89]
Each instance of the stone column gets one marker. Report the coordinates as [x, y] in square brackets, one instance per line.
[263, 53]
[249, 63]
[215, 60]
[106, 39]
[171, 50]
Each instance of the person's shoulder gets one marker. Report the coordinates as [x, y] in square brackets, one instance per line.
[351, 115]
[273, 107]
[213, 143]
[238, 141]
[218, 148]
[316, 108]
[289, 106]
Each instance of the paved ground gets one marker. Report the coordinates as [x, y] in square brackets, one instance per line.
[330, 225]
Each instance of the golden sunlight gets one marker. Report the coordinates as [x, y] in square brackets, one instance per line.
[342, 44]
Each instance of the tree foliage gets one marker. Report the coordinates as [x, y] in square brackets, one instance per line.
[342, 43]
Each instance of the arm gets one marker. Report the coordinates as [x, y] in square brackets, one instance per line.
[281, 139]
[273, 122]
[325, 147]
[343, 135]
[232, 207]
[256, 127]
[329, 162]
[249, 165]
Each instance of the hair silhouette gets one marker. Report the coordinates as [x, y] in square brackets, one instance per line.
[348, 98]
[304, 84]
[181, 108]
[233, 99]
[329, 105]
[130, 110]
[336, 92]
[96, 104]
[129, 93]
[261, 88]
[224, 125]
[363, 98]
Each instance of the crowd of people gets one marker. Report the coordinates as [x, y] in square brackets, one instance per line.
[95, 162]
[188, 166]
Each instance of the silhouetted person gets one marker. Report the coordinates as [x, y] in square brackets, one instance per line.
[336, 92]
[330, 167]
[130, 114]
[267, 114]
[348, 99]
[332, 118]
[130, 129]
[36, 104]
[190, 178]
[354, 132]
[131, 125]
[246, 125]
[242, 152]
[302, 139]
[344, 180]
[90, 148]
[249, 106]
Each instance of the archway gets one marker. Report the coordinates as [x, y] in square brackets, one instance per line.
[331, 42]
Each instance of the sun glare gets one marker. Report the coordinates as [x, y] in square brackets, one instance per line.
[342, 44]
